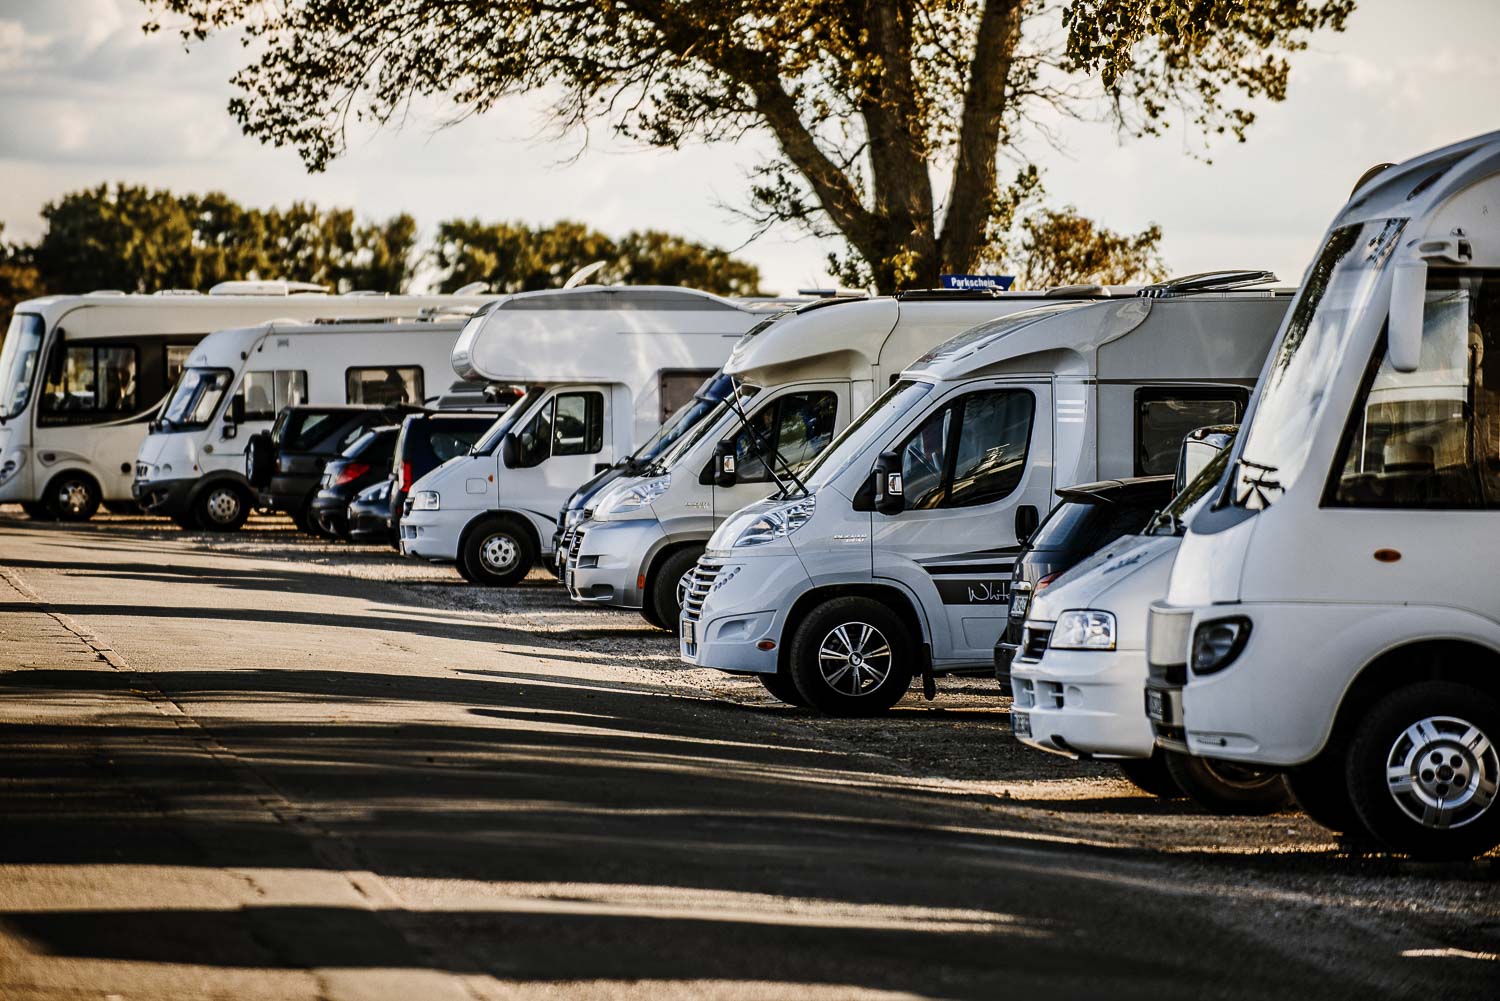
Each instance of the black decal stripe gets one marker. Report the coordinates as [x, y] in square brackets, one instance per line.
[969, 569]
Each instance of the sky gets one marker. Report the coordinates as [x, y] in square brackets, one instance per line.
[86, 97]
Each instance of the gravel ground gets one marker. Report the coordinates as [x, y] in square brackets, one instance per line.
[958, 743]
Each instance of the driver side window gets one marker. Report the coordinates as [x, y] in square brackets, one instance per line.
[973, 451]
[567, 424]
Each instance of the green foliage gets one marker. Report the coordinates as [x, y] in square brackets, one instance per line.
[867, 100]
[19, 279]
[1064, 248]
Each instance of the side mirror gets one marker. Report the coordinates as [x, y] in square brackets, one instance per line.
[510, 451]
[1408, 300]
[724, 468]
[890, 492]
[237, 409]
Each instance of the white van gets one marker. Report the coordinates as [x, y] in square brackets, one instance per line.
[603, 367]
[1334, 611]
[894, 552]
[802, 378]
[191, 467]
[82, 375]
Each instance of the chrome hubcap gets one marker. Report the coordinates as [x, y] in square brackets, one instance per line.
[499, 553]
[73, 497]
[223, 506]
[854, 658]
[1443, 772]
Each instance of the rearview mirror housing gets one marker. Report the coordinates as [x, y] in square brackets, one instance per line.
[724, 464]
[237, 409]
[1408, 302]
[890, 491]
[510, 451]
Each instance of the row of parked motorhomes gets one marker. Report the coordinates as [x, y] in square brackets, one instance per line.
[1237, 538]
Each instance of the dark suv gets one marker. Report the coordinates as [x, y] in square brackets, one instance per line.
[285, 463]
[426, 442]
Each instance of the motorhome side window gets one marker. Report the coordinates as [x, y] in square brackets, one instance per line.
[382, 387]
[567, 424]
[268, 393]
[1164, 416]
[972, 451]
[1431, 438]
[87, 382]
[797, 427]
[676, 389]
[175, 357]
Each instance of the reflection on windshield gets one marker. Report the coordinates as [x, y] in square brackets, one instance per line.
[679, 424]
[1175, 513]
[741, 398]
[890, 408]
[23, 343]
[487, 444]
[1333, 298]
[196, 398]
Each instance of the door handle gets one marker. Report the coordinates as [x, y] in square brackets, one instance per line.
[1027, 519]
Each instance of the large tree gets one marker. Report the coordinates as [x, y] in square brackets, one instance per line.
[891, 117]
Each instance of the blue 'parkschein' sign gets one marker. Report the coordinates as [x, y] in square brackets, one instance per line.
[1001, 282]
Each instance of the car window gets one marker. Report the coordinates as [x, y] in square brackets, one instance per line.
[991, 455]
[1163, 417]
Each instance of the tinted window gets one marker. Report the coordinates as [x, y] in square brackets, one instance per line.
[448, 438]
[923, 459]
[1163, 417]
[383, 386]
[86, 382]
[578, 425]
[268, 393]
[973, 451]
[374, 447]
[678, 388]
[176, 357]
[1075, 529]
[796, 427]
[306, 429]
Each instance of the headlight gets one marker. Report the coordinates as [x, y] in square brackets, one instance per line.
[1083, 629]
[777, 523]
[636, 497]
[573, 517]
[426, 500]
[10, 467]
[1216, 644]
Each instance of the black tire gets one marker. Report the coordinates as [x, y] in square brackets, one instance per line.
[72, 496]
[497, 553]
[1447, 736]
[664, 588]
[306, 521]
[221, 507]
[861, 680]
[463, 572]
[1150, 775]
[1321, 790]
[781, 686]
[37, 511]
[260, 456]
[648, 612]
[1227, 788]
[122, 507]
[185, 521]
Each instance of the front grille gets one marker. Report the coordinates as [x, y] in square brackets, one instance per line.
[142, 471]
[699, 584]
[1034, 642]
[574, 543]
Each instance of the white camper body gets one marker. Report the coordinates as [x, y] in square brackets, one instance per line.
[802, 379]
[81, 376]
[192, 464]
[1335, 611]
[898, 555]
[603, 366]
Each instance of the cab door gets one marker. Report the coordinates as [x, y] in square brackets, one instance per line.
[796, 425]
[976, 473]
[564, 441]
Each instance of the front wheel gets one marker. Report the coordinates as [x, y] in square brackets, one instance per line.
[37, 511]
[665, 596]
[497, 554]
[1227, 788]
[73, 497]
[221, 507]
[1322, 792]
[1151, 775]
[852, 657]
[1423, 771]
[780, 685]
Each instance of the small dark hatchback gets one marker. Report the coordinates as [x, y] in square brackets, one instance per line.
[366, 462]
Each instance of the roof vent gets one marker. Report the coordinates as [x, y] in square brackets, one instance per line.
[265, 288]
[473, 288]
[176, 291]
[1076, 291]
[106, 291]
[1208, 281]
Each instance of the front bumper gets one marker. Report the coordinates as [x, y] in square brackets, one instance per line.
[607, 561]
[163, 497]
[1084, 702]
[737, 602]
[434, 535]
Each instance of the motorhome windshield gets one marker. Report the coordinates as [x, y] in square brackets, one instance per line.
[1333, 299]
[196, 398]
[892, 406]
[23, 343]
[1172, 520]
[685, 444]
[682, 422]
[492, 438]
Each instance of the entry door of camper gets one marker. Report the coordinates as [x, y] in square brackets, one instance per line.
[976, 473]
[565, 441]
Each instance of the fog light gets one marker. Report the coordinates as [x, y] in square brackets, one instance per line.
[1216, 644]
[766, 645]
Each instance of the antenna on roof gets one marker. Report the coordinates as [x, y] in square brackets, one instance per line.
[587, 271]
[473, 288]
[1208, 281]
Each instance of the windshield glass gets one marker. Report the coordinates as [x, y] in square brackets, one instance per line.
[196, 398]
[23, 343]
[1334, 297]
[892, 406]
[684, 420]
[1174, 515]
[685, 444]
[491, 439]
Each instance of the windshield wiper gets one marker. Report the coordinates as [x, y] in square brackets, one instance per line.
[1258, 483]
[770, 462]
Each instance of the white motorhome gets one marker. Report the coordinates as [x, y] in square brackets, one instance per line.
[1333, 612]
[801, 379]
[191, 467]
[603, 367]
[895, 550]
[82, 375]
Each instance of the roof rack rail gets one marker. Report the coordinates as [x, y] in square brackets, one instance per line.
[1207, 281]
[949, 294]
[176, 291]
[1078, 291]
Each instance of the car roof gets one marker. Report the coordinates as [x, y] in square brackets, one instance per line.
[1120, 491]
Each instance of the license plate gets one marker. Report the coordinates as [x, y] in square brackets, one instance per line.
[1020, 723]
[1156, 705]
[1018, 606]
[690, 633]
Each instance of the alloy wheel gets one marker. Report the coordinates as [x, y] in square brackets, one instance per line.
[854, 658]
[1443, 772]
[499, 553]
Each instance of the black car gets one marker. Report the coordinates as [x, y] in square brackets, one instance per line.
[426, 442]
[285, 464]
[1089, 517]
[366, 462]
[370, 514]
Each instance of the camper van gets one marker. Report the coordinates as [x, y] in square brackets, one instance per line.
[191, 467]
[893, 550]
[1333, 611]
[603, 367]
[801, 379]
[82, 375]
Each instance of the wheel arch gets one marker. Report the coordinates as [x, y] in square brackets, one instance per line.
[1458, 659]
[662, 553]
[901, 604]
[501, 515]
[209, 480]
